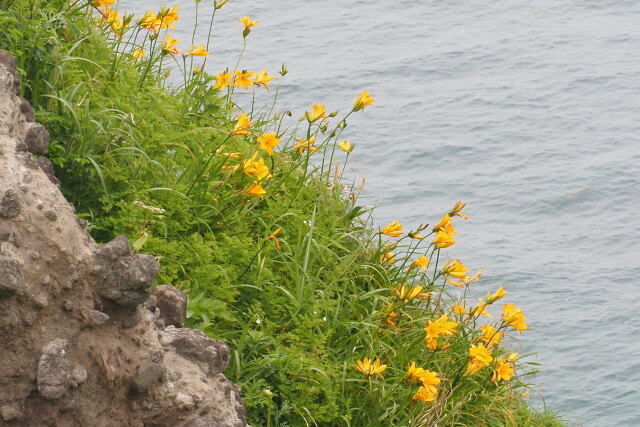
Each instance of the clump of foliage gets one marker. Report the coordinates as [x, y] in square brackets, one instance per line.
[330, 321]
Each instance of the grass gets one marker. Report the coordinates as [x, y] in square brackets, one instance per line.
[278, 257]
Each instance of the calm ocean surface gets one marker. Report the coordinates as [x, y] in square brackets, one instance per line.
[529, 112]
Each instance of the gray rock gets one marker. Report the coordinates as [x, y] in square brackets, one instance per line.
[150, 371]
[37, 139]
[54, 372]
[10, 64]
[11, 278]
[27, 110]
[123, 277]
[172, 304]
[211, 355]
[47, 167]
[78, 375]
[9, 205]
[11, 413]
[97, 318]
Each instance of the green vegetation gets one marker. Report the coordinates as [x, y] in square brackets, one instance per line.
[250, 217]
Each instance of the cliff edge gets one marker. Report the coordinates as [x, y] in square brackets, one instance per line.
[84, 339]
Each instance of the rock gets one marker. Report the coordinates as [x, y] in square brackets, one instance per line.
[123, 277]
[97, 318]
[11, 413]
[10, 64]
[78, 375]
[37, 139]
[27, 110]
[9, 205]
[211, 355]
[47, 167]
[11, 278]
[172, 304]
[150, 371]
[77, 346]
[54, 372]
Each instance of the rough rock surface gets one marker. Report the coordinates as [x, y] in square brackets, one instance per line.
[81, 345]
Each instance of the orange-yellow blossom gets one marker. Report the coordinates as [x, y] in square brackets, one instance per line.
[138, 53]
[256, 189]
[243, 79]
[514, 317]
[247, 22]
[503, 371]
[346, 146]
[242, 126]
[305, 144]
[490, 336]
[496, 296]
[199, 51]
[479, 357]
[394, 229]
[317, 112]
[443, 240]
[169, 45]
[223, 79]
[273, 237]
[440, 326]
[268, 142]
[369, 368]
[422, 262]
[363, 100]
[262, 79]
[410, 292]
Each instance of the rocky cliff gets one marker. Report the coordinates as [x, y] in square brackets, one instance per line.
[83, 339]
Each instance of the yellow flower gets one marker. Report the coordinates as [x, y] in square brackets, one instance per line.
[103, 3]
[370, 369]
[455, 269]
[256, 189]
[363, 100]
[445, 226]
[490, 336]
[305, 143]
[479, 357]
[394, 229]
[443, 240]
[458, 270]
[243, 79]
[422, 262]
[166, 17]
[138, 53]
[415, 235]
[512, 358]
[268, 141]
[440, 326]
[456, 210]
[414, 373]
[223, 79]
[169, 45]
[200, 51]
[426, 394]
[111, 17]
[345, 146]
[317, 112]
[242, 126]
[503, 371]
[496, 296]
[459, 309]
[514, 318]
[258, 169]
[410, 292]
[150, 21]
[429, 378]
[247, 22]
[262, 79]
[387, 257]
